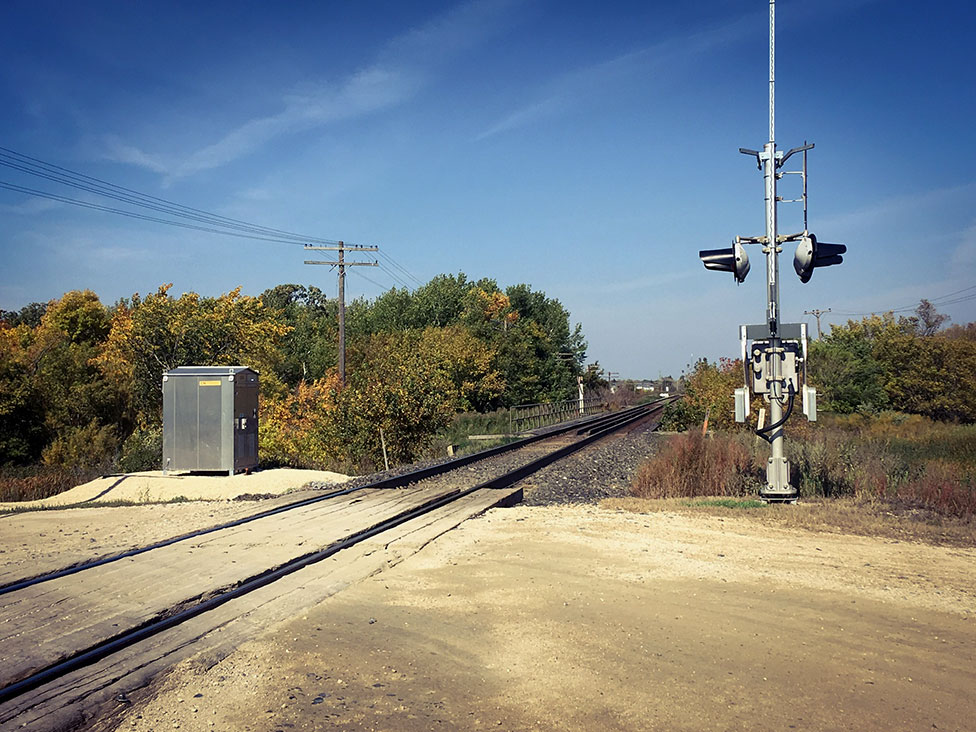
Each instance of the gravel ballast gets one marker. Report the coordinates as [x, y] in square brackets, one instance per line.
[603, 470]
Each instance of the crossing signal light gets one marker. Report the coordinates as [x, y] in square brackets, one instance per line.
[734, 260]
[811, 254]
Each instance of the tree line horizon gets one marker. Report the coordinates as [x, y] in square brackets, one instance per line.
[80, 381]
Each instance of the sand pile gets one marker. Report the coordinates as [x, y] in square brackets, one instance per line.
[153, 486]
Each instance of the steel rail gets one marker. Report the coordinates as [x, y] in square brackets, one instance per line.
[615, 417]
[128, 638]
[397, 481]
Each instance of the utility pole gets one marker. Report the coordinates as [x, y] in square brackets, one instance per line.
[342, 248]
[817, 314]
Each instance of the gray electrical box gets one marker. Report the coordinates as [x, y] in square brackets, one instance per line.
[210, 418]
[788, 355]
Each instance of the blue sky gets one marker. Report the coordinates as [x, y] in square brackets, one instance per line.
[588, 149]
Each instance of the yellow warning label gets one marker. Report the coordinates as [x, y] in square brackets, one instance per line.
[209, 383]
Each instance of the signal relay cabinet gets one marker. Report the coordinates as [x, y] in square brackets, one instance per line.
[210, 418]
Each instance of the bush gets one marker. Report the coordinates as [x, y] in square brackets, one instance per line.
[693, 465]
[142, 450]
[88, 447]
[35, 482]
[944, 487]
[905, 459]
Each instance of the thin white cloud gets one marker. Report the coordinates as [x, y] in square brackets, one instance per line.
[570, 89]
[401, 69]
[121, 152]
[964, 254]
[525, 116]
[31, 207]
[882, 213]
[364, 92]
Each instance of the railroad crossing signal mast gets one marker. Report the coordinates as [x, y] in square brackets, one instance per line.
[777, 354]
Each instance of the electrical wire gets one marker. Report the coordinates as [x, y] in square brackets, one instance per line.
[764, 432]
[65, 176]
[133, 214]
[940, 300]
[400, 267]
[397, 280]
[368, 279]
[206, 221]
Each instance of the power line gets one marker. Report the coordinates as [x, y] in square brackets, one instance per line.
[400, 267]
[397, 279]
[368, 279]
[206, 221]
[58, 174]
[135, 215]
[940, 300]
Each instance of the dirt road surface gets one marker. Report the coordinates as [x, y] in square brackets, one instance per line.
[579, 617]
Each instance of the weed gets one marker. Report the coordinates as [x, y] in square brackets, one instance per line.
[34, 482]
[692, 465]
[903, 461]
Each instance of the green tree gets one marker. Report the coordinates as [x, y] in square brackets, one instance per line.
[22, 431]
[29, 315]
[843, 368]
[310, 348]
[441, 301]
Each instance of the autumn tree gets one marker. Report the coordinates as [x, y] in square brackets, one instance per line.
[932, 376]
[709, 391]
[409, 385]
[152, 335]
[905, 364]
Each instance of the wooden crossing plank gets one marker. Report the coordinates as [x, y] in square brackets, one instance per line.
[43, 624]
[76, 697]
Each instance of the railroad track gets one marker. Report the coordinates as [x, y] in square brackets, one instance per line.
[73, 637]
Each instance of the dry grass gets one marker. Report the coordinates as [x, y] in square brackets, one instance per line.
[36, 482]
[908, 464]
[692, 465]
[845, 515]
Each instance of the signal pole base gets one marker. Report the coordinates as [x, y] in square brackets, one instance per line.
[778, 488]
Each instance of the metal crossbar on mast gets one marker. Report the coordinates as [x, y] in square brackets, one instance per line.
[341, 263]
